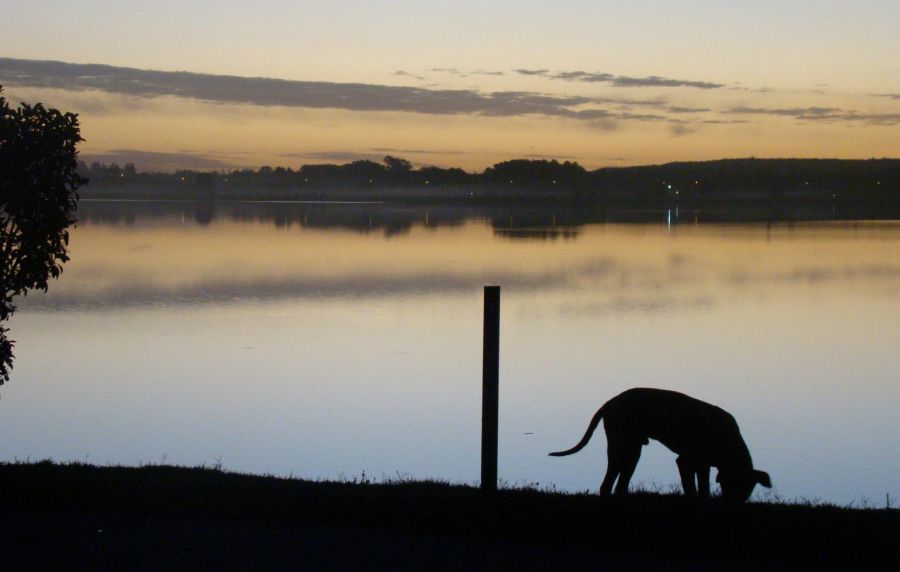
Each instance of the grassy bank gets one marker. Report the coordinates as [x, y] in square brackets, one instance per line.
[41, 503]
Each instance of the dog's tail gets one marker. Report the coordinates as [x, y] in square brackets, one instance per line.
[592, 426]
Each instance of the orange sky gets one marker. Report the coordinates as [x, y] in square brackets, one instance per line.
[602, 83]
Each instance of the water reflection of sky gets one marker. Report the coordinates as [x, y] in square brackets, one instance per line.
[325, 351]
[613, 267]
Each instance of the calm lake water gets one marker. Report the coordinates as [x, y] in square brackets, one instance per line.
[325, 341]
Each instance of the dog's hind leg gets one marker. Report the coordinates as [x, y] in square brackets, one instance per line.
[612, 470]
[703, 480]
[686, 470]
[630, 454]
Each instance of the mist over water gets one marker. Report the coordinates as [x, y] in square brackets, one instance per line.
[327, 340]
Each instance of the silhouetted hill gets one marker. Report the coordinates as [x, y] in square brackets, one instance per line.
[170, 517]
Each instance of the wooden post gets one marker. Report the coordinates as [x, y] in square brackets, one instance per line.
[490, 386]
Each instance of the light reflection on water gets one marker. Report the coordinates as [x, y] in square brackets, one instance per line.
[284, 346]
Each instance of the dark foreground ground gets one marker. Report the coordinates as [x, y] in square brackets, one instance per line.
[152, 518]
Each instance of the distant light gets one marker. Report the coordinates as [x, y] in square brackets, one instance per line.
[696, 182]
[426, 182]
[670, 187]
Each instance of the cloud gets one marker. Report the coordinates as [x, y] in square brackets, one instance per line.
[619, 80]
[157, 161]
[875, 118]
[550, 156]
[340, 156]
[402, 73]
[541, 72]
[679, 130]
[88, 102]
[657, 81]
[752, 90]
[390, 150]
[274, 92]
[627, 116]
[888, 95]
[465, 73]
[678, 109]
[656, 102]
[798, 112]
[821, 114]
[724, 121]
[110, 86]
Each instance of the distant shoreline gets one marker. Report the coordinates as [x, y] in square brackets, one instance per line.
[729, 181]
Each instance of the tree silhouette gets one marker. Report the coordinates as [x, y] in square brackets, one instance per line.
[38, 199]
[396, 165]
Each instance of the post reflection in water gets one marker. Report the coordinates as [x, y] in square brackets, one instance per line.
[324, 340]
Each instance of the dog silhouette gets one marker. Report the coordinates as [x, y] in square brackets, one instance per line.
[701, 434]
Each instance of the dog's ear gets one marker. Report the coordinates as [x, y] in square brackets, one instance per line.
[762, 478]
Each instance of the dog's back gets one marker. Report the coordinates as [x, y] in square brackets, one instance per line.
[686, 425]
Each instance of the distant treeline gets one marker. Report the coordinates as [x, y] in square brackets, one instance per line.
[836, 180]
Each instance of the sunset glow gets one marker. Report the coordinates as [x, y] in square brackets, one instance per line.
[604, 84]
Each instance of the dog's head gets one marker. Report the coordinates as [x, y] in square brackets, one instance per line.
[738, 485]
